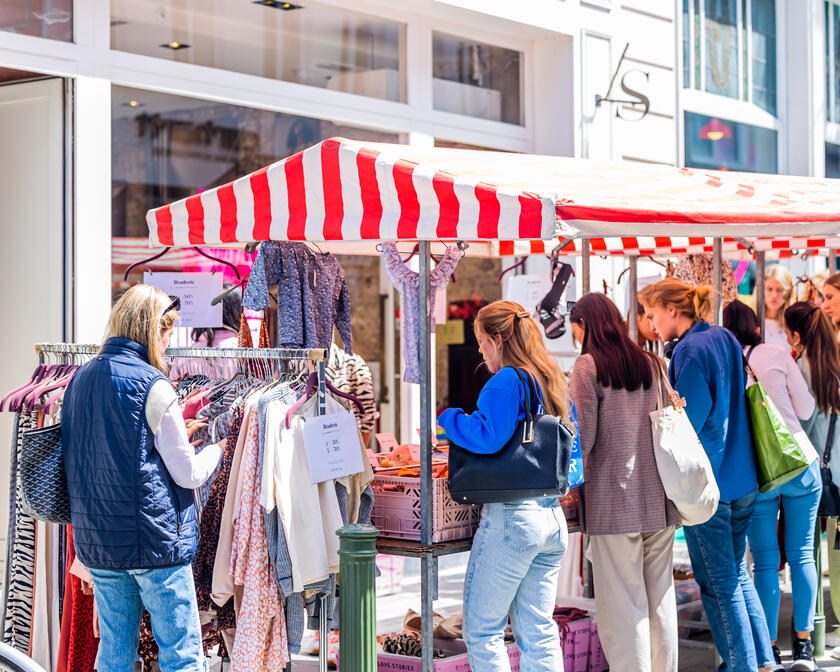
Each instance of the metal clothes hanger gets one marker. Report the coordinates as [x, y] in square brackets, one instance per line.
[166, 251]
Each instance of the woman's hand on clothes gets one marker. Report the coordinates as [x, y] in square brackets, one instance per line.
[192, 427]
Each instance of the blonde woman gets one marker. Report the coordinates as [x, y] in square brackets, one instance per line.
[130, 474]
[516, 553]
[779, 294]
[707, 369]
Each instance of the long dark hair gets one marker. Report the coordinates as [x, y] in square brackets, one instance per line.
[620, 363]
[740, 319]
[818, 338]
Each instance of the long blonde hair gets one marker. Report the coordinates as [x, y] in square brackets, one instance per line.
[138, 316]
[693, 302]
[523, 347]
[781, 275]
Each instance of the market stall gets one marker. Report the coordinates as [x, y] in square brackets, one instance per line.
[352, 192]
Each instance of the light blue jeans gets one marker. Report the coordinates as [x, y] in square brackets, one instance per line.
[513, 569]
[169, 596]
[800, 499]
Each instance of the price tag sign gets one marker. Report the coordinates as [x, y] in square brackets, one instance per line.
[387, 442]
[332, 446]
[195, 290]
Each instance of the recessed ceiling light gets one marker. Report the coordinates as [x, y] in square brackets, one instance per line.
[175, 45]
[278, 4]
[133, 103]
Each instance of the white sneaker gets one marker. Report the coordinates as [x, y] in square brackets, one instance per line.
[835, 653]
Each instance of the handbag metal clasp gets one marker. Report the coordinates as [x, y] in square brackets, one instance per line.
[526, 436]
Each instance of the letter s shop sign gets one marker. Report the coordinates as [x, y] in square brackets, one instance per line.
[638, 101]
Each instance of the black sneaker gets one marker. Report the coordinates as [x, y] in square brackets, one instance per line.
[803, 656]
[777, 655]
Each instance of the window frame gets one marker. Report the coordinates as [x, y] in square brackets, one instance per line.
[744, 33]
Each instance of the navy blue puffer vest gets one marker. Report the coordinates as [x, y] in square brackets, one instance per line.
[127, 511]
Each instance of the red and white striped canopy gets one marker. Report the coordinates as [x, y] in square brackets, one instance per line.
[345, 190]
[667, 246]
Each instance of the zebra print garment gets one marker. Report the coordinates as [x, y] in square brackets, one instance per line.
[351, 374]
[21, 556]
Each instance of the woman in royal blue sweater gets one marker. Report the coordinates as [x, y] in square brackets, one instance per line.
[707, 369]
[517, 550]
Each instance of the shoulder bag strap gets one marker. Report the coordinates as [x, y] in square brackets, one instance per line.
[528, 436]
[747, 368]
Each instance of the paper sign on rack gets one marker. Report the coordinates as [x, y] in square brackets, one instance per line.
[332, 446]
[195, 290]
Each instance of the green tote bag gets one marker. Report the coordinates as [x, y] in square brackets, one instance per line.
[778, 455]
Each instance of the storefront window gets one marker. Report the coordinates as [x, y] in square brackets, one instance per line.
[832, 60]
[734, 49]
[298, 42]
[166, 147]
[832, 160]
[722, 47]
[719, 144]
[763, 50]
[686, 29]
[477, 80]
[52, 19]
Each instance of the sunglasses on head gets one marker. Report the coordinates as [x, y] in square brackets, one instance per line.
[175, 305]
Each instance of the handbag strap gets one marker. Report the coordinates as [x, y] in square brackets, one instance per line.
[673, 396]
[530, 401]
[747, 368]
[829, 440]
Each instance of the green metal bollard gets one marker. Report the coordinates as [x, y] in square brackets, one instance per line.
[819, 616]
[357, 607]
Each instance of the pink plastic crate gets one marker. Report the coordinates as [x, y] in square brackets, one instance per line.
[597, 659]
[455, 661]
[396, 510]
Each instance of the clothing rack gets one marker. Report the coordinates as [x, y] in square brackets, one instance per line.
[317, 356]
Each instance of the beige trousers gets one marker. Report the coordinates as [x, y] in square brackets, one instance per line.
[635, 600]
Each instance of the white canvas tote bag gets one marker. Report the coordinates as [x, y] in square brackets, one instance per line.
[682, 462]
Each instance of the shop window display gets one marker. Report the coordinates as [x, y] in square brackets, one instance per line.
[52, 19]
[729, 48]
[476, 79]
[306, 44]
[168, 147]
[720, 144]
[832, 160]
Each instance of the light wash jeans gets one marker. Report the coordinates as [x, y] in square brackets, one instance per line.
[513, 569]
[169, 596]
[800, 499]
[718, 557]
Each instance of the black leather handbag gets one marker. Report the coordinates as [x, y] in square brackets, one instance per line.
[533, 463]
[42, 479]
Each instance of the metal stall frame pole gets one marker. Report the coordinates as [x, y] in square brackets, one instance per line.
[832, 261]
[428, 563]
[760, 267]
[323, 617]
[585, 267]
[632, 314]
[717, 276]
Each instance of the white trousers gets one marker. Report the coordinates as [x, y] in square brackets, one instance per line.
[635, 600]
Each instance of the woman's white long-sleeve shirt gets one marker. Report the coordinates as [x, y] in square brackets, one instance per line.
[186, 467]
